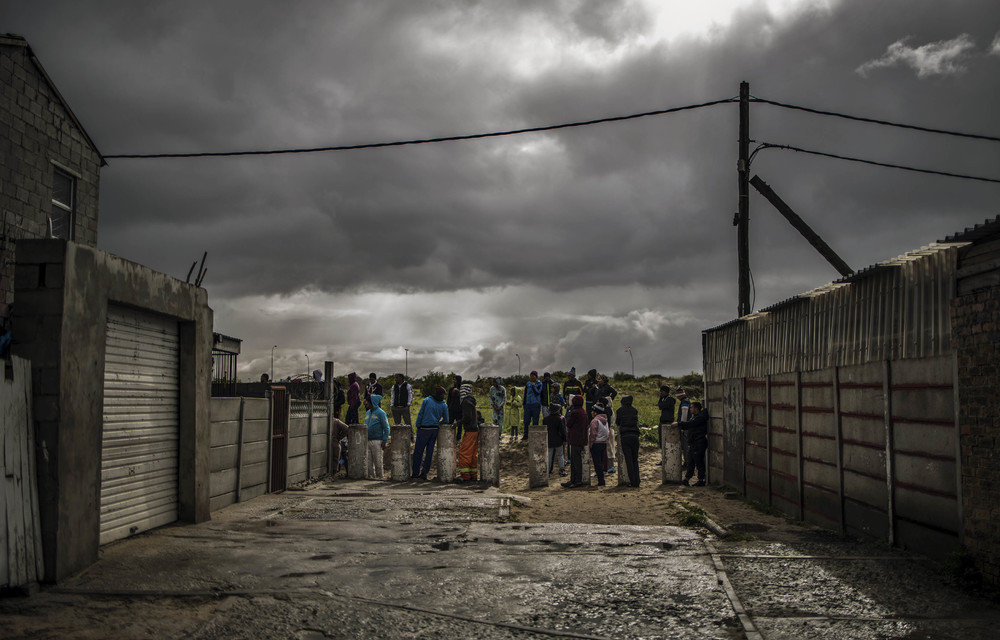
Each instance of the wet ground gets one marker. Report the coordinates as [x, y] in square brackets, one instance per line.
[366, 559]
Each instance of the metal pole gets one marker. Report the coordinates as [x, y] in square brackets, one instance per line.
[629, 349]
[307, 365]
[518, 363]
[406, 363]
[272, 362]
[743, 217]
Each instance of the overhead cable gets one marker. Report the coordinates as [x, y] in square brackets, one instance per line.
[975, 136]
[768, 145]
[401, 143]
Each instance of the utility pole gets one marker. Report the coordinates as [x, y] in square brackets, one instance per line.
[743, 216]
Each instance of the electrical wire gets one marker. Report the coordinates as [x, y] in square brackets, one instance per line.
[974, 136]
[401, 143]
[768, 145]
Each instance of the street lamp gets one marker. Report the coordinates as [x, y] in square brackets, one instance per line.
[518, 356]
[272, 361]
[629, 349]
[406, 363]
[307, 365]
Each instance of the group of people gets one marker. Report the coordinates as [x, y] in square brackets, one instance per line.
[587, 425]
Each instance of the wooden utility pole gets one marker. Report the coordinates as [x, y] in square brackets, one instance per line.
[802, 227]
[743, 216]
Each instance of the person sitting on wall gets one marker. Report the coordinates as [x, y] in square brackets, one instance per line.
[697, 432]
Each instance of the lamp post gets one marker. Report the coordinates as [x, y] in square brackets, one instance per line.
[518, 356]
[307, 365]
[272, 361]
[406, 363]
[629, 349]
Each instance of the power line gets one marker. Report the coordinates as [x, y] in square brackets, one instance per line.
[974, 136]
[401, 143]
[767, 145]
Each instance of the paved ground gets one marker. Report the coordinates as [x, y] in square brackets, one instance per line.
[422, 560]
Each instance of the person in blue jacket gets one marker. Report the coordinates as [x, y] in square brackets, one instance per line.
[532, 402]
[378, 435]
[433, 414]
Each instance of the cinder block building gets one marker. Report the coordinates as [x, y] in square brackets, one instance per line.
[49, 166]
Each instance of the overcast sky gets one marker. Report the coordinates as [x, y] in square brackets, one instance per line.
[564, 247]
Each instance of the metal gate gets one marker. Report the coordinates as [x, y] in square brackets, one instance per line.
[139, 446]
[279, 438]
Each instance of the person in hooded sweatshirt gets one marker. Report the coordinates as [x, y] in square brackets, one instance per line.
[576, 437]
[468, 450]
[597, 438]
[353, 398]
[557, 437]
[627, 420]
[433, 414]
[378, 435]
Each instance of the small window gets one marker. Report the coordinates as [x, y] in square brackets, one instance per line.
[63, 205]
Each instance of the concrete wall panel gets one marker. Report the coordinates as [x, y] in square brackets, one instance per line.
[926, 540]
[939, 476]
[821, 507]
[224, 457]
[865, 521]
[870, 491]
[937, 511]
[225, 433]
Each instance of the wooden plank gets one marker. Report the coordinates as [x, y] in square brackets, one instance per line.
[21, 555]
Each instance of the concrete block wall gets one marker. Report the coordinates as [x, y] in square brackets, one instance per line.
[241, 443]
[241, 430]
[976, 339]
[307, 440]
[41, 133]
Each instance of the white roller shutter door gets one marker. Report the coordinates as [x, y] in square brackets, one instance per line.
[139, 448]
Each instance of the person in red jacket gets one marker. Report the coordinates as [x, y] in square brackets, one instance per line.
[577, 424]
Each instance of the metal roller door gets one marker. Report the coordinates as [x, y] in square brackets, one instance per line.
[139, 448]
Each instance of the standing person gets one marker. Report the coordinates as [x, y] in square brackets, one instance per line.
[498, 398]
[468, 450]
[340, 432]
[612, 450]
[400, 400]
[378, 435]
[373, 386]
[515, 413]
[353, 398]
[572, 387]
[605, 390]
[433, 413]
[590, 391]
[547, 395]
[697, 430]
[597, 438]
[557, 436]
[455, 399]
[628, 430]
[338, 398]
[532, 402]
[576, 436]
[666, 406]
[683, 415]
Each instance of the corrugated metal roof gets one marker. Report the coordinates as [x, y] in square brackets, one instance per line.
[980, 231]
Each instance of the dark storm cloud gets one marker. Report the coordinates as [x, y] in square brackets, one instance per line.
[538, 221]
